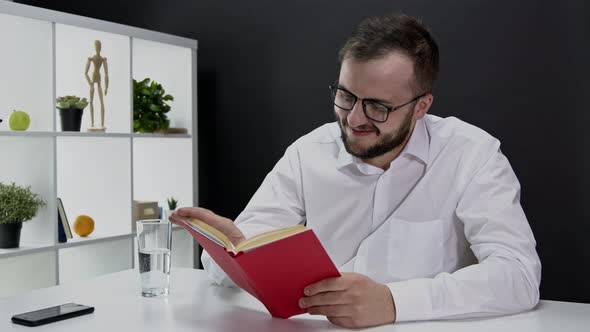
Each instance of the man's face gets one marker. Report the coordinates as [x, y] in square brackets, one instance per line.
[388, 80]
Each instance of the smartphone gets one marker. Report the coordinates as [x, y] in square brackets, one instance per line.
[52, 314]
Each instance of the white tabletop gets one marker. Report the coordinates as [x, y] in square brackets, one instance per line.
[195, 304]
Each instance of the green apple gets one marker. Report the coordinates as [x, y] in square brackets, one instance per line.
[19, 120]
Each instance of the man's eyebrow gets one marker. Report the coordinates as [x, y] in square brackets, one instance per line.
[377, 100]
[340, 86]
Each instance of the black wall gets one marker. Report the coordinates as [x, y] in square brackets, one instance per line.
[518, 69]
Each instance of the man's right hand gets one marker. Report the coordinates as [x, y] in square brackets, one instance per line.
[225, 225]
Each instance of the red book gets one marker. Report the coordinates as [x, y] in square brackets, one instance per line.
[274, 266]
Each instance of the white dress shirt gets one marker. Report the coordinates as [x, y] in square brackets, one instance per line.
[442, 227]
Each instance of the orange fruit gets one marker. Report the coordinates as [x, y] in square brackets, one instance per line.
[83, 225]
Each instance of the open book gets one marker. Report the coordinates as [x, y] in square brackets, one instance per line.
[274, 266]
[258, 240]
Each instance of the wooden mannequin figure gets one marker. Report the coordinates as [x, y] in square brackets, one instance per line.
[98, 62]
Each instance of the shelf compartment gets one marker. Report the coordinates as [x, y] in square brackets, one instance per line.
[70, 78]
[27, 71]
[94, 259]
[94, 179]
[28, 161]
[163, 168]
[39, 269]
[174, 72]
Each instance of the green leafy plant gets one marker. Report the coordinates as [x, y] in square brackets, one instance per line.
[172, 203]
[18, 204]
[150, 107]
[69, 102]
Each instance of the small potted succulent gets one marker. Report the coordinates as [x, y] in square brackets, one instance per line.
[172, 203]
[17, 205]
[70, 112]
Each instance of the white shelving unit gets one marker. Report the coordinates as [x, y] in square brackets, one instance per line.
[97, 174]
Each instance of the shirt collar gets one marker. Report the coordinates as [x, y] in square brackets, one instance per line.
[344, 158]
[418, 145]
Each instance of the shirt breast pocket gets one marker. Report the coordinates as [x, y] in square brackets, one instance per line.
[414, 248]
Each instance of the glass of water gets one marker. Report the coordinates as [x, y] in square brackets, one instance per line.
[154, 241]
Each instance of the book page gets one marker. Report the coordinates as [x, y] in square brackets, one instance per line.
[268, 237]
[212, 233]
[250, 243]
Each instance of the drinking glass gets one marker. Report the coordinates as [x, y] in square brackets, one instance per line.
[154, 241]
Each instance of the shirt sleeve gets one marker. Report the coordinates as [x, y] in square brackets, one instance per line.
[278, 203]
[508, 273]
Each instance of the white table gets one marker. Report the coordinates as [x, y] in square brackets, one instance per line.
[195, 304]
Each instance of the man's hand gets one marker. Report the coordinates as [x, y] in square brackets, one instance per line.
[225, 225]
[352, 300]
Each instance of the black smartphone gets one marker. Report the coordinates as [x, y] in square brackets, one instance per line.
[52, 314]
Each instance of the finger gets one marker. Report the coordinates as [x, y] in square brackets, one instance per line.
[326, 298]
[197, 212]
[175, 219]
[337, 310]
[204, 215]
[225, 225]
[326, 285]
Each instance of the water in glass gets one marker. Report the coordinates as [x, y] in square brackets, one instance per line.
[154, 269]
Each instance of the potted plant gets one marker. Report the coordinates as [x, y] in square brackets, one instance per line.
[172, 205]
[70, 112]
[150, 107]
[17, 205]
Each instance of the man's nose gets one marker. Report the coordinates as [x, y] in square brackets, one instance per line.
[356, 117]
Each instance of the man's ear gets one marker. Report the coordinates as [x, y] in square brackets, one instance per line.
[423, 105]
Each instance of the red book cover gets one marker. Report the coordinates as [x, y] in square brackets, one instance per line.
[275, 273]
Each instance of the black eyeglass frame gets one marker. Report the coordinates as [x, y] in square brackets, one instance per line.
[335, 88]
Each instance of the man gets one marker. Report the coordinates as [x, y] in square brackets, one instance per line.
[420, 213]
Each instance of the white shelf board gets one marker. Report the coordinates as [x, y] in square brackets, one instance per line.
[162, 135]
[95, 24]
[92, 239]
[29, 248]
[25, 249]
[27, 133]
[87, 134]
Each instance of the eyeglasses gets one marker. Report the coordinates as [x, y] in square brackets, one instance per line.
[373, 109]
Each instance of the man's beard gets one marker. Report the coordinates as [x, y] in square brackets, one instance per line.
[385, 144]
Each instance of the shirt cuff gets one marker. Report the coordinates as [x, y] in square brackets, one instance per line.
[215, 272]
[413, 300]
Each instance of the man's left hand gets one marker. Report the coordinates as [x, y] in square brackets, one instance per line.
[352, 300]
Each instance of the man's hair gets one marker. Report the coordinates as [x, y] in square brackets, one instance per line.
[377, 36]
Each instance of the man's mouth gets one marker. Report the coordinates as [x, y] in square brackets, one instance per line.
[361, 132]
